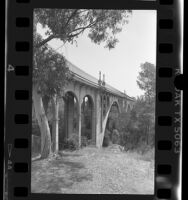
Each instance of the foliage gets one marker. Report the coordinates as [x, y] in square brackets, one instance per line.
[107, 139]
[84, 141]
[68, 24]
[50, 73]
[146, 80]
[137, 127]
[72, 142]
[115, 136]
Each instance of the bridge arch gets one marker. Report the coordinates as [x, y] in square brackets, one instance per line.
[87, 119]
[114, 102]
[71, 113]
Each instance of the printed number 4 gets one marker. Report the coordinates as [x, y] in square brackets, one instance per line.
[10, 68]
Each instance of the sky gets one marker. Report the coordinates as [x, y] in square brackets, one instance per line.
[121, 65]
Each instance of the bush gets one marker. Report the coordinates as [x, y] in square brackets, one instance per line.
[84, 141]
[72, 142]
[115, 137]
[106, 141]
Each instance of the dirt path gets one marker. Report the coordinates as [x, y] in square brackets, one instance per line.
[94, 171]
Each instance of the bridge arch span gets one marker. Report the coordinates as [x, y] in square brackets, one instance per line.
[113, 102]
[87, 119]
[90, 98]
[70, 92]
[71, 113]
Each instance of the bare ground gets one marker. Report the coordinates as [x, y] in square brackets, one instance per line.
[94, 171]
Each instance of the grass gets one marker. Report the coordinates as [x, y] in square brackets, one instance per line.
[94, 171]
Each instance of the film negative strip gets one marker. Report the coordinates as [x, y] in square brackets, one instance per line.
[19, 172]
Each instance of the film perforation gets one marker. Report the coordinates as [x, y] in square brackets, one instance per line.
[21, 118]
[164, 193]
[166, 2]
[22, 46]
[165, 48]
[21, 167]
[21, 143]
[22, 22]
[165, 96]
[165, 72]
[21, 94]
[20, 191]
[164, 120]
[164, 145]
[23, 1]
[164, 169]
[22, 70]
[166, 24]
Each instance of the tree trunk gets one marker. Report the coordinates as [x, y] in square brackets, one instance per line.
[45, 101]
[43, 124]
[55, 125]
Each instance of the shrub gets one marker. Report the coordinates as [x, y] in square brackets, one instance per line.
[106, 141]
[115, 137]
[72, 142]
[84, 141]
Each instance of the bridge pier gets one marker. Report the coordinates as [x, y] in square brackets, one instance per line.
[79, 124]
[55, 133]
[70, 116]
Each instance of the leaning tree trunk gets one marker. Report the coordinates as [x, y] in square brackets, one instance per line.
[43, 124]
[55, 123]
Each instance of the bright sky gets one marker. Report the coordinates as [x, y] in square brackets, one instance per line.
[121, 65]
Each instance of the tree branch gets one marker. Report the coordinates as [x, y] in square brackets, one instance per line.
[73, 35]
[72, 15]
[45, 41]
[56, 36]
[84, 27]
[68, 36]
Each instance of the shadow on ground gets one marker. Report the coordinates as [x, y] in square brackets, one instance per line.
[57, 174]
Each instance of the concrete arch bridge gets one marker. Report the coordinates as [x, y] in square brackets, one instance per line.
[87, 104]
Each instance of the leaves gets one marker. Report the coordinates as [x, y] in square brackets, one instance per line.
[50, 73]
[139, 124]
[146, 80]
[67, 24]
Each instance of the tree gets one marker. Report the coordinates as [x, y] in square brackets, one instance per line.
[49, 67]
[68, 24]
[138, 125]
[50, 76]
[146, 80]
[146, 104]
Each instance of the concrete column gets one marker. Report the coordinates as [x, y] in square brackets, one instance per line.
[66, 120]
[101, 106]
[79, 123]
[79, 116]
[98, 111]
[93, 119]
[70, 116]
[55, 125]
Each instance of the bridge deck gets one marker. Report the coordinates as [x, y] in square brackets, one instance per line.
[82, 76]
